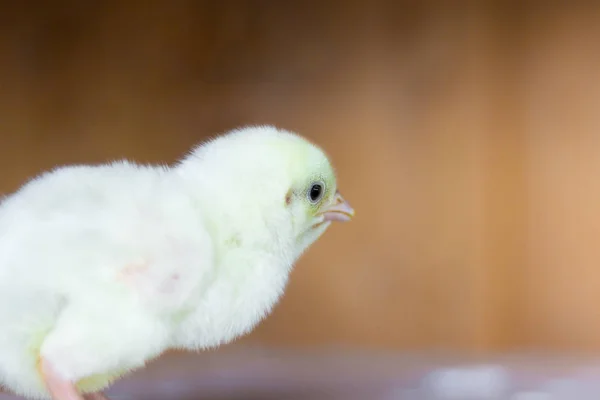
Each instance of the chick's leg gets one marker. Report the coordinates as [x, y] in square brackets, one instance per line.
[99, 342]
[59, 388]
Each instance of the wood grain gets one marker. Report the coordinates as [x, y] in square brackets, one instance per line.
[464, 136]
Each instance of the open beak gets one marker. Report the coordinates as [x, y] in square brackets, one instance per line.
[338, 210]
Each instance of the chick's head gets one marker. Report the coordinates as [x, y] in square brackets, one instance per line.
[312, 198]
[286, 179]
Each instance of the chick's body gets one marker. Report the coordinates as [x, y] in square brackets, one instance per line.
[105, 267]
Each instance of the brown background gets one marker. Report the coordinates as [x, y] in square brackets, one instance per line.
[466, 136]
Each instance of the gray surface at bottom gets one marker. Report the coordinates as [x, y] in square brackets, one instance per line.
[285, 375]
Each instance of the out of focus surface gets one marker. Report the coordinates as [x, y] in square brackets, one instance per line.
[465, 134]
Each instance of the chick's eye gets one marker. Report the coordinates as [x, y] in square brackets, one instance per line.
[315, 192]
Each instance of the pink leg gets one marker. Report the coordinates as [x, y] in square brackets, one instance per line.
[59, 388]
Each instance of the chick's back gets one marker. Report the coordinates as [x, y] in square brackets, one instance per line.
[71, 230]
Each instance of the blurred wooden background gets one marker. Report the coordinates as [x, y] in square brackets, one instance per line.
[466, 135]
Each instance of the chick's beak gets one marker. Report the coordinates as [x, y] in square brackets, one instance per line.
[338, 210]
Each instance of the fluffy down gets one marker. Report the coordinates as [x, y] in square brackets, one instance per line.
[104, 267]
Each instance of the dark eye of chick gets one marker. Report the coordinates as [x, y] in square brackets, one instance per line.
[315, 192]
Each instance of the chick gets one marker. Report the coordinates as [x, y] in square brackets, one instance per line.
[105, 267]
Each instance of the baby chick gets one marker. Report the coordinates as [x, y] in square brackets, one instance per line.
[105, 267]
